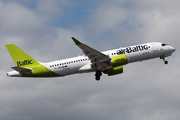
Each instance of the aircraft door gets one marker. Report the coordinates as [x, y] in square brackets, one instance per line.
[46, 68]
[155, 48]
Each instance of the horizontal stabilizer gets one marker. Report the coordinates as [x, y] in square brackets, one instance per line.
[21, 70]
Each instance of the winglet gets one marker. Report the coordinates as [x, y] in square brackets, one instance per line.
[76, 41]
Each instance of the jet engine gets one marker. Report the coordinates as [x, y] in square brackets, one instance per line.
[119, 60]
[114, 71]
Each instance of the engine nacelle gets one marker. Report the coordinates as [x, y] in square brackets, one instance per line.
[117, 63]
[119, 60]
[115, 71]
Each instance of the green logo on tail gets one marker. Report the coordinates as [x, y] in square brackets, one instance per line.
[25, 62]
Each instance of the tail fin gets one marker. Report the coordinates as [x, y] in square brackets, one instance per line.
[21, 59]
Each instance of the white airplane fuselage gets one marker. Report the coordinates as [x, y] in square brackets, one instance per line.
[82, 64]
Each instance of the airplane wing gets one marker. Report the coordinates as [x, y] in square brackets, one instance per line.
[97, 58]
[21, 70]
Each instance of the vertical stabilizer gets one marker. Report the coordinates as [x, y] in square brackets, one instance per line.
[21, 59]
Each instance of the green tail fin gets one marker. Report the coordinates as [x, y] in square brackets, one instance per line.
[21, 59]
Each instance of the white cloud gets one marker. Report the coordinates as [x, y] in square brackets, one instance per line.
[108, 17]
[15, 19]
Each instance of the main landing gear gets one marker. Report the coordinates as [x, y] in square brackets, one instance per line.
[98, 75]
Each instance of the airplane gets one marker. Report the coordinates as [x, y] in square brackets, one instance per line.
[108, 62]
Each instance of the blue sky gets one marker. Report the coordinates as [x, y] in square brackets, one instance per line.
[43, 29]
[73, 14]
[77, 14]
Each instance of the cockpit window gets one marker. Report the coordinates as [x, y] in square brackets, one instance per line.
[164, 44]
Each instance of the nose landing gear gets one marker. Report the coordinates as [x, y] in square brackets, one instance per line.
[165, 62]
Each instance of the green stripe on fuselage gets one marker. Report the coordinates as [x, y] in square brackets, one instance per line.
[40, 71]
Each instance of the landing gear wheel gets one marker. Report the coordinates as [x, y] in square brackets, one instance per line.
[98, 75]
[97, 78]
[166, 62]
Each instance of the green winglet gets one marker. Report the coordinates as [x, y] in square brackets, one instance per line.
[76, 41]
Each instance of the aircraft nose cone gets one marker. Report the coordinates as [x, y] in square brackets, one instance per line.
[172, 49]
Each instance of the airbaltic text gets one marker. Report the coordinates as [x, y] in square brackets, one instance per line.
[25, 62]
[133, 49]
